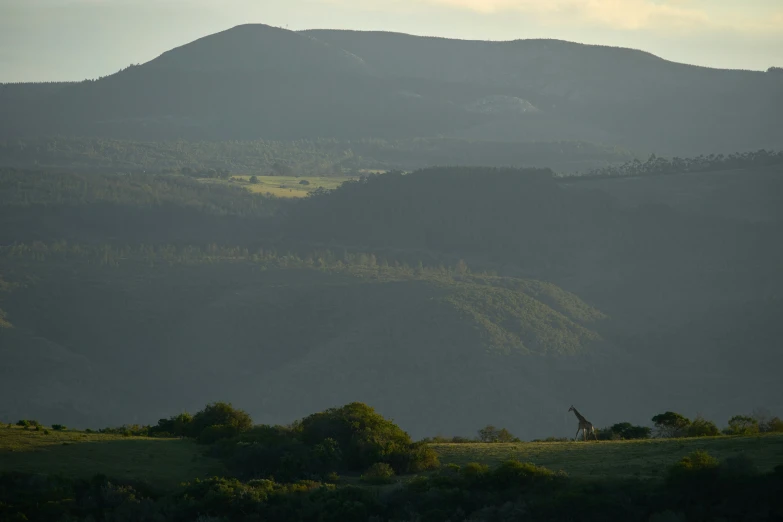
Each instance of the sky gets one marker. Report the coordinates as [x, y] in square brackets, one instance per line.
[56, 40]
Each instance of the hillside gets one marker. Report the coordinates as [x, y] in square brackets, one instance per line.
[256, 81]
[279, 335]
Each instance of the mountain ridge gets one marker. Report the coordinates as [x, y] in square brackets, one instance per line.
[258, 81]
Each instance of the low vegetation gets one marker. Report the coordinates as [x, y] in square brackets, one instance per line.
[332, 465]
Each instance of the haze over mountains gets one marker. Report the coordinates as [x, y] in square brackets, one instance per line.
[256, 81]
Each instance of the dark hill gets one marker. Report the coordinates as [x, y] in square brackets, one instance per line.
[259, 48]
[257, 81]
[280, 340]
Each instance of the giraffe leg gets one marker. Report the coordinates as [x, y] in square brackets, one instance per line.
[576, 437]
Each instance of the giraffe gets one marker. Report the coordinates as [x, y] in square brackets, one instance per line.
[585, 426]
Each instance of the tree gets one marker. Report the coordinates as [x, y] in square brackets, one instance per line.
[670, 424]
[220, 414]
[743, 425]
[364, 437]
[254, 179]
[700, 427]
[490, 433]
[627, 431]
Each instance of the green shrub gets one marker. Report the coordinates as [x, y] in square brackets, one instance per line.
[625, 431]
[701, 427]
[474, 471]
[773, 425]
[699, 463]
[59, 427]
[364, 437]
[26, 423]
[46, 432]
[378, 473]
[743, 425]
[219, 414]
[513, 473]
[671, 424]
[212, 434]
[176, 426]
[490, 433]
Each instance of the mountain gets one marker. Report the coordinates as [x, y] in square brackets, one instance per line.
[257, 81]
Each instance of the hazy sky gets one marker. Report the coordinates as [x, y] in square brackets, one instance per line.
[75, 39]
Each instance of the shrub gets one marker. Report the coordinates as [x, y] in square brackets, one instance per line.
[671, 424]
[26, 423]
[773, 425]
[176, 426]
[474, 471]
[59, 427]
[364, 437]
[625, 431]
[254, 179]
[304, 182]
[701, 427]
[378, 473]
[743, 425]
[127, 430]
[212, 434]
[219, 414]
[517, 474]
[697, 463]
[46, 432]
[491, 434]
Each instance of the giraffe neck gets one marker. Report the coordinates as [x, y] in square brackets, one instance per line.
[579, 416]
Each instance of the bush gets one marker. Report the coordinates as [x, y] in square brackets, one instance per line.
[254, 179]
[743, 425]
[491, 434]
[26, 423]
[697, 463]
[212, 434]
[625, 431]
[176, 426]
[378, 473]
[364, 437]
[218, 414]
[773, 425]
[304, 182]
[671, 424]
[59, 427]
[701, 427]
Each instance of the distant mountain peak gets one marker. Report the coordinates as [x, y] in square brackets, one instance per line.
[258, 47]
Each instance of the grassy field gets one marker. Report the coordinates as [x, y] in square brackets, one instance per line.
[617, 459]
[164, 463]
[286, 186]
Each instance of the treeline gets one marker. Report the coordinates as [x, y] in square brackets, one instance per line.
[23, 188]
[657, 166]
[666, 425]
[322, 157]
[359, 263]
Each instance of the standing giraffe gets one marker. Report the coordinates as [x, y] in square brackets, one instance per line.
[585, 426]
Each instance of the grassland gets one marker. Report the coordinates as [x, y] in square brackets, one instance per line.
[646, 459]
[286, 186]
[164, 463]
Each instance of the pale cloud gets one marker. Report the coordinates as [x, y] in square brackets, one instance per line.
[628, 15]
